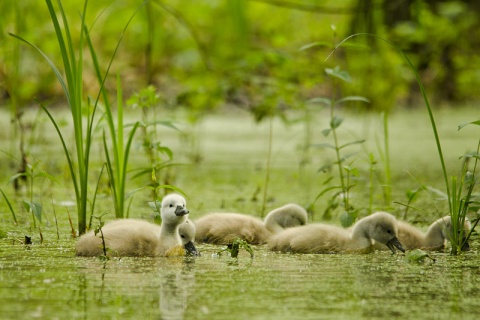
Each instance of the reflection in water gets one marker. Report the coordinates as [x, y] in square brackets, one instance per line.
[155, 288]
[175, 288]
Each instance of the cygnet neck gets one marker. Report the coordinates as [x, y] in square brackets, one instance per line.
[361, 233]
[171, 227]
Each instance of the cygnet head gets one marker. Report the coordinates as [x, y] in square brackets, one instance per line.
[174, 209]
[382, 227]
[446, 227]
[187, 231]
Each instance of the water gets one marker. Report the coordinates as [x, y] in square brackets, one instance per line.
[49, 282]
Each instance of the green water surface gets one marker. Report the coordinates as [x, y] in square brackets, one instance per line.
[49, 282]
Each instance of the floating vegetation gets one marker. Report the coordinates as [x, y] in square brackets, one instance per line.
[235, 247]
[418, 255]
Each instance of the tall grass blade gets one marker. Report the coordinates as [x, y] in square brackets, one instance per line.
[9, 206]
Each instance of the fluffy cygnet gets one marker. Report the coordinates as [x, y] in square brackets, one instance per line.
[434, 239]
[287, 216]
[223, 228]
[133, 237]
[322, 238]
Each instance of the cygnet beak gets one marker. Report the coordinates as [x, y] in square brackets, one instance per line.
[181, 211]
[394, 243]
[191, 250]
[465, 245]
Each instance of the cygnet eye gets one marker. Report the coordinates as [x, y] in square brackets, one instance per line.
[388, 231]
[170, 205]
[182, 236]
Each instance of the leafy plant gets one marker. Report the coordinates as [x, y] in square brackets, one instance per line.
[458, 202]
[462, 200]
[235, 247]
[147, 100]
[97, 230]
[31, 206]
[345, 170]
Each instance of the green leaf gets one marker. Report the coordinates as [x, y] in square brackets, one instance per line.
[326, 190]
[321, 100]
[474, 155]
[351, 143]
[34, 207]
[9, 206]
[440, 194]
[340, 74]
[417, 255]
[315, 44]
[164, 150]
[326, 132]
[352, 98]
[467, 123]
[155, 205]
[235, 247]
[335, 122]
[346, 219]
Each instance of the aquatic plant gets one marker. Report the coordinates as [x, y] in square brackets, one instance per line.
[117, 167]
[345, 169]
[9, 204]
[418, 255]
[147, 100]
[235, 246]
[458, 202]
[385, 156]
[97, 230]
[72, 86]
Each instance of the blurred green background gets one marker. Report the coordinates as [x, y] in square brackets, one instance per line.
[208, 54]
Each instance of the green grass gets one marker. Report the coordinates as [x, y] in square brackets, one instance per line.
[71, 82]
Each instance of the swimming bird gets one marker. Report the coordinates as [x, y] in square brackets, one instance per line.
[223, 228]
[134, 237]
[322, 238]
[287, 216]
[187, 232]
[434, 239]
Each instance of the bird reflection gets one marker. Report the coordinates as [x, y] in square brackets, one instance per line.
[175, 288]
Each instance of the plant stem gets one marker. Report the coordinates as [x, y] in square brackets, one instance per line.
[388, 175]
[335, 140]
[267, 168]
